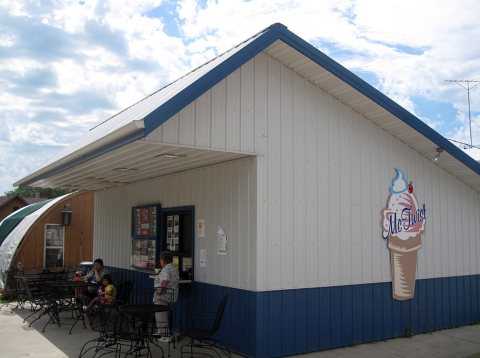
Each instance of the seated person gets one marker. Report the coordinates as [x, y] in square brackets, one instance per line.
[167, 278]
[95, 275]
[106, 296]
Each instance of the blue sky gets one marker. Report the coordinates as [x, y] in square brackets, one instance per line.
[67, 66]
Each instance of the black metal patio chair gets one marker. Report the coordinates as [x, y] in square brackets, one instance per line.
[124, 292]
[71, 270]
[117, 278]
[43, 302]
[115, 330]
[156, 332]
[202, 339]
[17, 295]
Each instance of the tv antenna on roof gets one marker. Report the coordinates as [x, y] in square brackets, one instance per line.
[468, 88]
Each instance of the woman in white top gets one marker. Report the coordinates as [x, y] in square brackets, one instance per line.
[166, 294]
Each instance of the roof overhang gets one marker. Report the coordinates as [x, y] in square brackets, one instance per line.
[135, 162]
[126, 151]
[104, 144]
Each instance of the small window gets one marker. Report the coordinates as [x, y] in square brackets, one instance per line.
[54, 245]
[15, 208]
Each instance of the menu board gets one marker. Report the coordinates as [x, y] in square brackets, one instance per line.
[144, 235]
[143, 253]
[176, 232]
[173, 232]
[144, 221]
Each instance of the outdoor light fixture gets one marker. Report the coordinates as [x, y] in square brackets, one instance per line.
[111, 183]
[66, 216]
[439, 151]
[171, 156]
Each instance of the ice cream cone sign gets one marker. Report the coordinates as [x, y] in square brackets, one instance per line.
[403, 223]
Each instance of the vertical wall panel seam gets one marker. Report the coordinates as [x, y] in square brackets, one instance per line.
[193, 122]
[305, 183]
[266, 175]
[239, 106]
[280, 113]
[209, 118]
[225, 112]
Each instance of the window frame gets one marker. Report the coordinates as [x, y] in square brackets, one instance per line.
[59, 229]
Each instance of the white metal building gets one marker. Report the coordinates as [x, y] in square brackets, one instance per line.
[293, 156]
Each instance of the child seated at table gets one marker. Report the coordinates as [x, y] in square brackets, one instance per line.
[106, 296]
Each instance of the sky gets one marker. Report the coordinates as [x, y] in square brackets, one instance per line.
[66, 66]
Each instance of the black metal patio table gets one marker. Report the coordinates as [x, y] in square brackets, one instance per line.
[40, 277]
[145, 313]
[37, 279]
[72, 305]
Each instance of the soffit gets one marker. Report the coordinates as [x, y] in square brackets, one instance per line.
[138, 155]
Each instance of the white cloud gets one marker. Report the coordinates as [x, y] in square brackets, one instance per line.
[413, 46]
[461, 132]
[65, 66]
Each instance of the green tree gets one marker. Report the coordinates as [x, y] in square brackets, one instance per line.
[44, 192]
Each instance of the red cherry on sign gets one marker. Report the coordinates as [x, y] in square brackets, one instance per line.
[410, 188]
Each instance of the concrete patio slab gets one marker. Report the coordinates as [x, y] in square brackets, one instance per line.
[19, 340]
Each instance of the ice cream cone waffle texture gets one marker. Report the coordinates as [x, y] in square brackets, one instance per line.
[404, 265]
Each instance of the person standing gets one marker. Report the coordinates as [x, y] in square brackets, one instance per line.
[166, 294]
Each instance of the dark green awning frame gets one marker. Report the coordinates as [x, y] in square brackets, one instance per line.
[9, 223]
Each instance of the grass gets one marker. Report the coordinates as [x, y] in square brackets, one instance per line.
[355, 343]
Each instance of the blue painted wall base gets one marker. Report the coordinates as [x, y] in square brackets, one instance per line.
[280, 323]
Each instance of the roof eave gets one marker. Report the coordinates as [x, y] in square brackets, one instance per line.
[13, 197]
[129, 133]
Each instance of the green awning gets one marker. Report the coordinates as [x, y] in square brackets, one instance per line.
[8, 224]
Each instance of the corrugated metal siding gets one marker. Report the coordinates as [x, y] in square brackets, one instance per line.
[222, 118]
[324, 180]
[282, 323]
[223, 195]
[308, 320]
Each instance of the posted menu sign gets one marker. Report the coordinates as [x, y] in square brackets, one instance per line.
[144, 235]
[144, 221]
[143, 253]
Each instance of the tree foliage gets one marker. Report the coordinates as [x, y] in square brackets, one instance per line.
[44, 192]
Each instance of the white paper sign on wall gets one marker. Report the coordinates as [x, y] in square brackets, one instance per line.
[203, 258]
[201, 228]
[222, 241]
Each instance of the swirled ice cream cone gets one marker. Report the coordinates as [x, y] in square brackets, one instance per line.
[403, 225]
